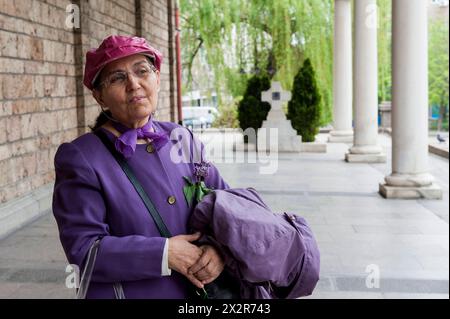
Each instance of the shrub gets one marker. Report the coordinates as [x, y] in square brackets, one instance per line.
[251, 110]
[304, 107]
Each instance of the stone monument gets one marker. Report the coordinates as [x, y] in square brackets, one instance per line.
[287, 140]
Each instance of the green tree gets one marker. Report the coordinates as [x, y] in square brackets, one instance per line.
[228, 116]
[438, 69]
[384, 50]
[251, 110]
[304, 107]
[238, 35]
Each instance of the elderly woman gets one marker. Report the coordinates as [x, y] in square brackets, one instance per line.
[94, 201]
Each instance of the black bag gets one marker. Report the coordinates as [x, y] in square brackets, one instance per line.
[223, 287]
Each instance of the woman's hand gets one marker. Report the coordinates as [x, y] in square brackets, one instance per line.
[183, 254]
[209, 266]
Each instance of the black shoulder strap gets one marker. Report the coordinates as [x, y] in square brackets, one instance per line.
[164, 231]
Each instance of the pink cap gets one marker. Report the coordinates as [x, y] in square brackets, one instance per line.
[113, 48]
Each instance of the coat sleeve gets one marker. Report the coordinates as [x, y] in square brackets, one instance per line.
[80, 212]
[304, 273]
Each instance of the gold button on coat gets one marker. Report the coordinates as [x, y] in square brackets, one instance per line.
[150, 148]
[171, 200]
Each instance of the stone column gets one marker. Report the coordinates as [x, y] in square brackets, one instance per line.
[342, 73]
[410, 177]
[365, 86]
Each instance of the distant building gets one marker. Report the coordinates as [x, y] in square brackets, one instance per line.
[438, 9]
[198, 98]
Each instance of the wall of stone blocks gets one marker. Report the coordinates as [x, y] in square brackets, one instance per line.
[42, 100]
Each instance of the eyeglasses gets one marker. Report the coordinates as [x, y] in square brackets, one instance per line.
[120, 78]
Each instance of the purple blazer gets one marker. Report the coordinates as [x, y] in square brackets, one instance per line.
[93, 198]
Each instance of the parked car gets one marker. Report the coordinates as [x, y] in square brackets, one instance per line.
[192, 123]
[199, 116]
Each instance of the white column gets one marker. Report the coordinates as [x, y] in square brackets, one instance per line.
[410, 177]
[342, 73]
[365, 86]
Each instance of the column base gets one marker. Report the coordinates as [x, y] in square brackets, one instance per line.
[409, 180]
[432, 191]
[341, 137]
[365, 158]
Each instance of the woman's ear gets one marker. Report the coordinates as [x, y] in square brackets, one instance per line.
[158, 81]
[97, 94]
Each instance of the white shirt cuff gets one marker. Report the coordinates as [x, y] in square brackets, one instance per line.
[165, 270]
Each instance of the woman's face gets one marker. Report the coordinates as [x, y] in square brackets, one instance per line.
[129, 90]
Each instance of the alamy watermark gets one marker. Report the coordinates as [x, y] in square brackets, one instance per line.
[373, 278]
[223, 147]
[73, 277]
[372, 16]
[73, 16]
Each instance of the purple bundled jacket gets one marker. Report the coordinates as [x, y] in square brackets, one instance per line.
[274, 255]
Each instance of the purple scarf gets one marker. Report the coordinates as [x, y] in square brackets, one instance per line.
[126, 143]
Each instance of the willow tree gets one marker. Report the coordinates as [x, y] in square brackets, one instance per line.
[240, 38]
[384, 50]
[438, 69]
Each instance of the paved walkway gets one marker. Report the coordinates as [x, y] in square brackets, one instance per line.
[360, 234]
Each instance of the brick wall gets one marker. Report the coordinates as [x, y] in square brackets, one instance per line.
[42, 100]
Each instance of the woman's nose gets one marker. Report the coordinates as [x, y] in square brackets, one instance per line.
[132, 82]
